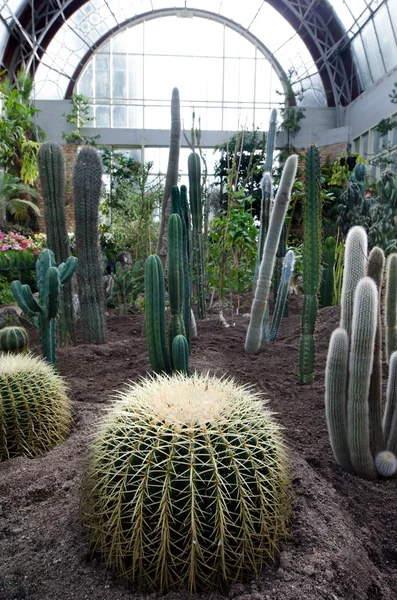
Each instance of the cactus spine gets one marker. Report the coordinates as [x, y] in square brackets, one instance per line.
[311, 263]
[14, 340]
[391, 306]
[254, 333]
[279, 309]
[196, 468]
[196, 209]
[87, 182]
[49, 282]
[327, 277]
[52, 170]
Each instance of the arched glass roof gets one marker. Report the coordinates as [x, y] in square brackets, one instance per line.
[337, 47]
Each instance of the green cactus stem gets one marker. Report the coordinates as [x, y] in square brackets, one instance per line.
[354, 270]
[365, 319]
[52, 170]
[335, 397]
[287, 270]
[254, 333]
[181, 207]
[375, 268]
[49, 282]
[87, 181]
[389, 417]
[14, 340]
[175, 278]
[278, 267]
[327, 276]
[180, 355]
[391, 306]
[196, 209]
[188, 484]
[155, 315]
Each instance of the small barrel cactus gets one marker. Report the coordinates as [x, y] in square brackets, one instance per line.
[35, 410]
[386, 463]
[14, 340]
[188, 484]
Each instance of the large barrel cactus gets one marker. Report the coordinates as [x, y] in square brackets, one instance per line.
[188, 484]
[35, 410]
[87, 180]
[14, 340]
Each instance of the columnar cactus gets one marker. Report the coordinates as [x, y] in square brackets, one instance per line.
[52, 170]
[188, 484]
[180, 355]
[35, 410]
[87, 181]
[14, 340]
[280, 255]
[181, 207]
[282, 295]
[354, 270]
[327, 277]
[196, 209]
[390, 415]
[391, 306]
[49, 282]
[254, 333]
[175, 278]
[312, 247]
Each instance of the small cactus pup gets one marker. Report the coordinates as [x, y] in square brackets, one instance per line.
[35, 412]
[180, 355]
[49, 282]
[188, 484]
[87, 182]
[14, 340]
[52, 170]
[254, 333]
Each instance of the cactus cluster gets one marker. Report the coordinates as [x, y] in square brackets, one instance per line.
[87, 182]
[35, 410]
[188, 484]
[196, 209]
[52, 170]
[50, 280]
[312, 247]
[353, 379]
[14, 340]
[282, 295]
[254, 333]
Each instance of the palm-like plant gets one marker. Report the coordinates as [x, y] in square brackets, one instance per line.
[11, 189]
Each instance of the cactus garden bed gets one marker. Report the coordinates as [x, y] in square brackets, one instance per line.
[343, 541]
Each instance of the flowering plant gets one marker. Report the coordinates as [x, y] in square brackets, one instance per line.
[16, 249]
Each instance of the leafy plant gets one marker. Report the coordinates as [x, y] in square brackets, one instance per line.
[79, 118]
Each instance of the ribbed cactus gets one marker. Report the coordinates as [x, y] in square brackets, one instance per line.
[35, 411]
[180, 355]
[278, 267]
[49, 282]
[312, 248]
[188, 484]
[181, 207]
[327, 276]
[52, 170]
[14, 340]
[390, 414]
[391, 306]
[87, 182]
[196, 209]
[175, 278]
[354, 269]
[254, 333]
[155, 315]
[279, 309]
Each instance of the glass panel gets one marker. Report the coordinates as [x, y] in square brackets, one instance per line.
[237, 46]
[135, 76]
[239, 80]
[102, 116]
[157, 117]
[376, 142]
[184, 37]
[135, 117]
[119, 114]
[119, 76]
[372, 50]
[394, 137]
[362, 63]
[130, 40]
[85, 85]
[386, 38]
[365, 138]
[102, 76]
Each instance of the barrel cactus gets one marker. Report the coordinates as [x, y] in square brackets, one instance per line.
[35, 410]
[14, 340]
[188, 484]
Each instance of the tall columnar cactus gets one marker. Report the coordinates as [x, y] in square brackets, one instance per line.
[280, 255]
[287, 270]
[14, 340]
[327, 276]
[391, 306]
[390, 414]
[52, 170]
[188, 484]
[254, 333]
[196, 209]
[87, 181]
[312, 246]
[175, 278]
[172, 174]
[180, 355]
[35, 411]
[181, 207]
[49, 282]
[354, 270]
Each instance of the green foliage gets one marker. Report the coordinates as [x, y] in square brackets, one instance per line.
[199, 492]
[343, 167]
[11, 190]
[127, 285]
[35, 412]
[79, 118]
[6, 295]
[291, 114]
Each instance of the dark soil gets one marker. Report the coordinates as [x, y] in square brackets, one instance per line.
[343, 542]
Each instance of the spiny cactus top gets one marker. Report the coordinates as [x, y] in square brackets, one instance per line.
[188, 483]
[35, 411]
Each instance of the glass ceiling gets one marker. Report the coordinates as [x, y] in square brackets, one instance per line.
[371, 29]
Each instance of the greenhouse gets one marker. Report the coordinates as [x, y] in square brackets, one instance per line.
[198, 311]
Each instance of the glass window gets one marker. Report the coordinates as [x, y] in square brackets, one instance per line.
[86, 84]
[386, 38]
[362, 63]
[119, 82]
[119, 116]
[102, 76]
[102, 116]
[372, 50]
